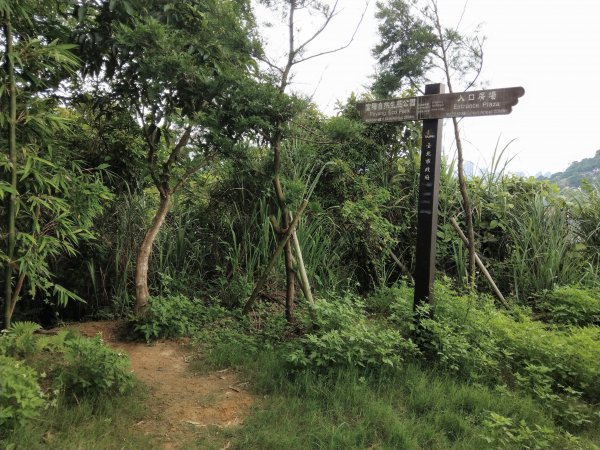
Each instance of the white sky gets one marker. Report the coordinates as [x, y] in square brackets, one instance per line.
[550, 47]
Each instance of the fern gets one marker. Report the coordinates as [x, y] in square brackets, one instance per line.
[25, 328]
[20, 340]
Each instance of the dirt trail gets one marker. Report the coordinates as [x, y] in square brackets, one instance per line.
[181, 402]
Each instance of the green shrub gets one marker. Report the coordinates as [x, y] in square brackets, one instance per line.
[393, 302]
[346, 337]
[91, 368]
[20, 394]
[564, 403]
[571, 305]
[469, 335]
[506, 433]
[174, 316]
[19, 340]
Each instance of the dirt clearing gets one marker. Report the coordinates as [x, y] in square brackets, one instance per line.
[182, 403]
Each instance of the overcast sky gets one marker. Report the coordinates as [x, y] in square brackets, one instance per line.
[550, 47]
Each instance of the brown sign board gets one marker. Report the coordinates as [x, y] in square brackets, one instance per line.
[489, 102]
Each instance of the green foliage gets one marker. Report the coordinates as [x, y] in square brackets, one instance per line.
[20, 394]
[92, 369]
[19, 341]
[53, 198]
[345, 337]
[174, 316]
[76, 365]
[413, 43]
[565, 403]
[571, 305]
[101, 423]
[471, 337]
[408, 407]
[544, 252]
[505, 432]
[529, 235]
[375, 233]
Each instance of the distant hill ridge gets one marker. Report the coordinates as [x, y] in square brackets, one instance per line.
[588, 168]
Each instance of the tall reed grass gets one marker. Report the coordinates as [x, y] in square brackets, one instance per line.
[544, 248]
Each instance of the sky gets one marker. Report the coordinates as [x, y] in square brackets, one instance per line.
[549, 47]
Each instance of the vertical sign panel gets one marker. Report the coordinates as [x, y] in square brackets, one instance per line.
[429, 186]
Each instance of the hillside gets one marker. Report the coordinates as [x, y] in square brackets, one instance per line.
[588, 168]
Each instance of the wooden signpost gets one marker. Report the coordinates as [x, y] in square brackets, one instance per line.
[432, 108]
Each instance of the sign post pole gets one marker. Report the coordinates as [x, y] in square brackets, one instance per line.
[429, 187]
[432, 108]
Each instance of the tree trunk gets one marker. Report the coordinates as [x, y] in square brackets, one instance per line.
[12, 159]
[468, 207]
[464, 192]
[142, 293]
[290, 292]
[280, 246]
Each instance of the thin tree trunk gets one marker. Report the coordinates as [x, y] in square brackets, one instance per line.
[12, 158]
[468, 207]
[290, 278]
[290, 293]
[142, 293]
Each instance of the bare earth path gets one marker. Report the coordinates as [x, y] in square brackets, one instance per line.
[182, 402]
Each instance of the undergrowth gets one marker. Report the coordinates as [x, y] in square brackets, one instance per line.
[361, 376]
[42, 374]
[93, 423]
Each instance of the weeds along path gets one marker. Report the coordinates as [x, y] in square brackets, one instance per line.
[182, 403]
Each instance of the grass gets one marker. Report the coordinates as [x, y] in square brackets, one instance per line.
[413, 407]
[107, 423]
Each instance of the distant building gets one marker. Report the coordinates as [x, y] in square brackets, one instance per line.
[469, 168]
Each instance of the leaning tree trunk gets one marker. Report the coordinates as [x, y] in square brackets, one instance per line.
[142, 293]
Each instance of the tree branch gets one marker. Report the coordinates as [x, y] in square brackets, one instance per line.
[192, 170]
[174, 156]
[327, 52]
[270, 64]
[328, 18]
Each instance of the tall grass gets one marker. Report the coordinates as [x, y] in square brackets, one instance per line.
[587, 214]
[91, 424]
[543, 254]
[110, 266]
[179, 252]
[176, 260]
[251, 240]
[319, 238]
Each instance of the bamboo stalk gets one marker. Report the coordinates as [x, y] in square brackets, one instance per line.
[304, 283]
[302, 276]
[12, 159]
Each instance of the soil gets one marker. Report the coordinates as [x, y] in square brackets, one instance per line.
[182, 402]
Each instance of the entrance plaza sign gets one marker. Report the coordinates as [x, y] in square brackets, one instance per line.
[432, 108]
[489, 102]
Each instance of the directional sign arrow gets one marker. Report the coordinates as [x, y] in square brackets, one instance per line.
[489, 102]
